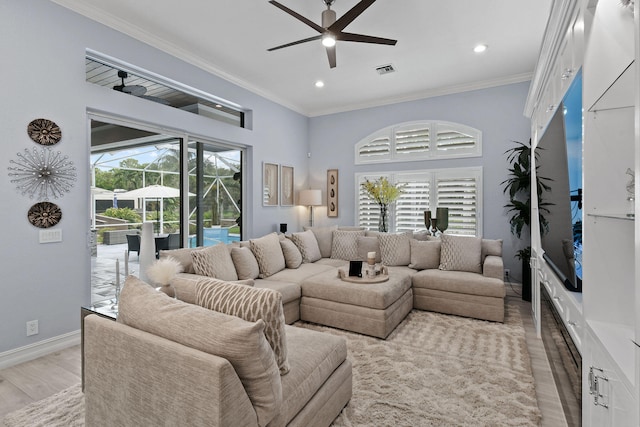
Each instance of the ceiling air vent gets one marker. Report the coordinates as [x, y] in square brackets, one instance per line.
[385, 69]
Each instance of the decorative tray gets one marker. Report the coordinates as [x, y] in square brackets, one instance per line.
[383, 276]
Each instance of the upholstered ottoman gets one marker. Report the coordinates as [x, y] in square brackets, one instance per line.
[372, 309]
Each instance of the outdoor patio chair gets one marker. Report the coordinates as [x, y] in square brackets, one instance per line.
[133, 244]
[173, 241]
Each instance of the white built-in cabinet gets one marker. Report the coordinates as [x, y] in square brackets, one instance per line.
[601, 36]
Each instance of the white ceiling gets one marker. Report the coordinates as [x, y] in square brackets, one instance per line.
[434, 54]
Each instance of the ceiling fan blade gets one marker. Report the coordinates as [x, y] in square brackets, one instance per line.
[348, 17]
[299, 17]
[295, 43]
[350, 37]
[331, 54]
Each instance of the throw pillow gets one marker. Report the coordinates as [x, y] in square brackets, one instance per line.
[366, 245]
[268, 253]
[245, 262]
[425, 254]
[214, 261]
[308, 245]
[345, 245]
[491, 247]
[460, 253]
[250, 304]
[183, 256]
[242, 343]
[292, 255]
[395, 248]
[324, 237]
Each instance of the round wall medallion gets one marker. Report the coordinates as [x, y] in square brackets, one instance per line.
[44, 132]
[44, 214]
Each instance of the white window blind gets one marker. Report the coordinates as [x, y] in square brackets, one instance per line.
[421, 140]
[458, 189]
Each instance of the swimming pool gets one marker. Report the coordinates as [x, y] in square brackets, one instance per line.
[215, 235]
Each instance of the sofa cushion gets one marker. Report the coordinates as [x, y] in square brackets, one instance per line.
[292, 255]
[345, 244]
[491, 247]
[308, 246]
[368, 244]
[268, 253]
[242, 343]
[395, 248]
[425, 254]
[245, 263]
[183, 256]
[461, 282]
[314, 357]
[460, 253]
[250, 304]
[214, 261]
[324, 237]
[422, 235]
[299, 274]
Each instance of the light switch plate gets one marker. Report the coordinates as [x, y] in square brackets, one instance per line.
[51, 236]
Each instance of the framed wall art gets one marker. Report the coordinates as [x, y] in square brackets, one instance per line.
[332, 193]
[270, 193]
[286, 185]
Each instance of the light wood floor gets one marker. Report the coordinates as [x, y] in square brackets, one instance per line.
[34, 380]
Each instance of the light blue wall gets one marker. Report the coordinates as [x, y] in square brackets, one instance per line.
[43, 46]
[497, 112]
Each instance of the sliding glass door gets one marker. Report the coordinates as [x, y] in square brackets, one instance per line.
[191, 193]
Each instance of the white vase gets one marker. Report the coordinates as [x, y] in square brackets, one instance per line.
[147, 250]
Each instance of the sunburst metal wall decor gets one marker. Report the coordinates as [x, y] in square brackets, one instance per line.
[44, 214]
[43, 173]
[44, 132]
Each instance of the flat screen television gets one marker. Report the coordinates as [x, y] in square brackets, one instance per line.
[559, 153]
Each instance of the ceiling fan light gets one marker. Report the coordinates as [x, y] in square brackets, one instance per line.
[328, 40]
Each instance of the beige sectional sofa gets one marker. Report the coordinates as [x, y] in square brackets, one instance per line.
[467, 282]
[160, 363]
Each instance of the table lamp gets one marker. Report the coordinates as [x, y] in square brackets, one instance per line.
[310, 198]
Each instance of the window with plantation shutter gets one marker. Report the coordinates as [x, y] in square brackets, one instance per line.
[458, 189]
[459, 193]
[421, 140]
[410, 207]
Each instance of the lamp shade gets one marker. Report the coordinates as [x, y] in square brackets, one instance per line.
[310, 198]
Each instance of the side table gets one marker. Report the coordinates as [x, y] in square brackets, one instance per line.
[103, 309]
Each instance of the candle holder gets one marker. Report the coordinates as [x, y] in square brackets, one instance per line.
[442, 220]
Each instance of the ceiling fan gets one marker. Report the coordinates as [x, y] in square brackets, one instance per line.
[136, 90]
[331, 29]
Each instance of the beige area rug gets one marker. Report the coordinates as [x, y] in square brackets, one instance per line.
[433, 370]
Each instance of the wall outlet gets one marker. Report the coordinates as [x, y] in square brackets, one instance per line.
[32, 327]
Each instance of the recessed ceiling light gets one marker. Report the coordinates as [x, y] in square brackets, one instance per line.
[218, 106]
[319, 83]
[480, 48]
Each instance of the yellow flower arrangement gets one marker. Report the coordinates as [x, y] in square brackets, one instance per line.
[382, 191]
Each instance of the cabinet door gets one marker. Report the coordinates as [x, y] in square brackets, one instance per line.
[606, 401]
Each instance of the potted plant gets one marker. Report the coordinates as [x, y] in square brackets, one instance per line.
[518, 187]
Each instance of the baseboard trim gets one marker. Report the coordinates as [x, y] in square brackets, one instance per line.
[41, 348]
